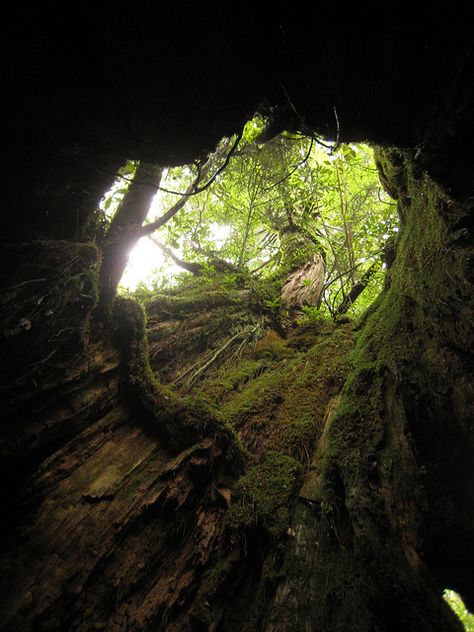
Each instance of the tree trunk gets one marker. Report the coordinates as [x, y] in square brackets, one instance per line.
[124, 230]
[356, 290]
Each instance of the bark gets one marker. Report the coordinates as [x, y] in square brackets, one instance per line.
[124, 231]
[304, 287]
[356, 290]
[123, 547]
[189, 266]
[105, 467]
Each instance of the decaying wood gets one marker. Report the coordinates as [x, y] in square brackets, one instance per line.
[304, 286]
[189, 336]
[122, 529]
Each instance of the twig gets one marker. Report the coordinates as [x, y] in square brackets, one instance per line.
[352, 269]
[195, 190]
[15, 287]
[333, 314]
[336, 145]
[294, 168]
[264, 264]
[217, 354]
[292, 106]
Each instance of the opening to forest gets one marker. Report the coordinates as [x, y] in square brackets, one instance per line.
[268, 206]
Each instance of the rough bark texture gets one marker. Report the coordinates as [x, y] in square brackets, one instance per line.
[285, 487]
[124, 231]
[304, 287]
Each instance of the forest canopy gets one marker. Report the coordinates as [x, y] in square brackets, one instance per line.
[265, 207]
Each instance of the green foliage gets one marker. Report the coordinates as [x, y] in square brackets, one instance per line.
[252, 129]
[310, 315]
[273, 304]
[278, 203]
[457, 604]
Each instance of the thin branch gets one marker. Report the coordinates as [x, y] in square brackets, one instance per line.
[287, 96]
[331, 246]
[346, 223]
[389, 203]
[336, 145]
[192, 190]
[246, 235]
[331, 311]
[147, 229]
[288, 175]
[352, 269]
[264, 264]
[190, 266]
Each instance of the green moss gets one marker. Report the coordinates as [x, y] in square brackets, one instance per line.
[281, 401]
[190, 301]
[274, 348]
[306, 335]
[184, 420]
[258, 394]
[264, 494]
[424, 309]
[224, 386]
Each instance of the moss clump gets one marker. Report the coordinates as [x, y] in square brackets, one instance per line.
[264, 494]
[227, 384]
[279, 398]
[307, 334]
[272, 347]
[184, 421]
